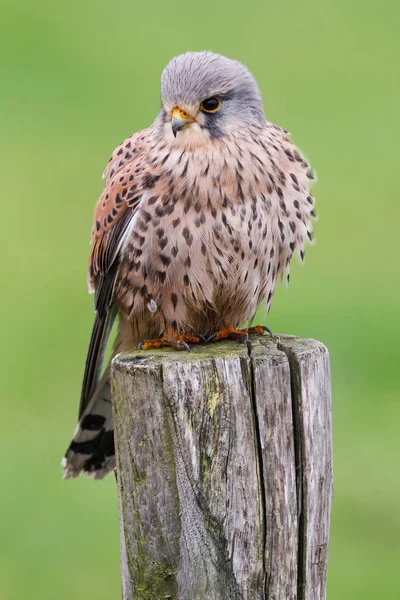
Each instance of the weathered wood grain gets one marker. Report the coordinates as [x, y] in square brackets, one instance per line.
[224, 471]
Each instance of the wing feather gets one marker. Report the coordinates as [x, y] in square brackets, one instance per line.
[114, 212]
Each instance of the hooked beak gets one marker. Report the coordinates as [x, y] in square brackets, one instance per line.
[180, 120]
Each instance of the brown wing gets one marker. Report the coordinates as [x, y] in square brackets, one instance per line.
[113, 214]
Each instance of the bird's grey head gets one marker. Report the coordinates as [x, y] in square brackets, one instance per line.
[206, 95]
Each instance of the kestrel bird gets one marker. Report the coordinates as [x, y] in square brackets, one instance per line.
[200, 214]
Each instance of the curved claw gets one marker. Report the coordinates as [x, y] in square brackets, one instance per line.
[267, 329]
[184, 346]
[140, 345]
[211, 338]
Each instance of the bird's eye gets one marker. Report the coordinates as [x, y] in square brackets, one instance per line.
[210, 105]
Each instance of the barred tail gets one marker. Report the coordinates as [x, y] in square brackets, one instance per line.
[92, 448]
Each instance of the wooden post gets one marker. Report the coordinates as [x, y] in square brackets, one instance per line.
[224, 471]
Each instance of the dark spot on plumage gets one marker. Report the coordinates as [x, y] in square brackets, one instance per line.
[187, 236]
[280, 225]
[162, 242]
[120, 151]
[309, 235]
[174, 325]
[310, 199]
[214, 213]
[166, 157]
[123, 194]
[302, 254]
[292, 246]
[294, 178]
[279, 192]
[142, 226]
[204, 173]
[246, 276]
[98, 225]
[128, 155]
[149, 181]
[144, 273]
[166, 261]
[240, 192]
[159, 232]
[313, 214]
[152, 200]
[188, 205]
[219, 251]
[197, 206]
[174, 251]
[176, 222]
[186, 280]
[202, 218]
[297, 156]
[283, 207]
[139, 238]
[146, 216]
[269, 296]
[296, 204]
[131, 178]
[281, 178]
[289, 155]
[272, 252]
[128, 145]
[197, 222]
[161, 276]
[298, 215]
[255, 263]
[174, 300]
[203, 249]
[114, 212]
[160, 211]
[109, 219]
[250, 244]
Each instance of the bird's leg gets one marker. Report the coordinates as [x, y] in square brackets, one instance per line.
[173, 339]
[238, 335]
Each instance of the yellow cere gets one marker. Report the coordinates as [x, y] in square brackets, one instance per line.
[178, 112]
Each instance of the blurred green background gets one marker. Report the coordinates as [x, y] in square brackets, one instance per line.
[75, 79]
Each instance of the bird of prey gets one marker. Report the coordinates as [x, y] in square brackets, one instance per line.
[200, 214]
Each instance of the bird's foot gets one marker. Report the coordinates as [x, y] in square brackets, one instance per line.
[173, 339]
[238, 335]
